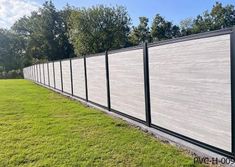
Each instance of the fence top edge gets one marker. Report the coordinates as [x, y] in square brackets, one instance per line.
[193, 37]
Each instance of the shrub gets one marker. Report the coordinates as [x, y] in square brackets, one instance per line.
[13, 74]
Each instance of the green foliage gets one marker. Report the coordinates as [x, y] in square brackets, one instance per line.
[162, 29]
[140, 33]
[11, 51]
[219, 17]
[13, 74]
[99, 28]
[46, 33]
[41, 128]
[186, 26]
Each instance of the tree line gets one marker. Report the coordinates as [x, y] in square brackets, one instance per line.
[50, 34]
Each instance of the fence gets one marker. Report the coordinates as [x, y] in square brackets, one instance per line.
[183, 87]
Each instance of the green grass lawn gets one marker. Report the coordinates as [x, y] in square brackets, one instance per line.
[41, 128]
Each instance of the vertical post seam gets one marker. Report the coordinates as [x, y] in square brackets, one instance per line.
[85, 71]
[146, 85]
[71, 76]
[107, 80]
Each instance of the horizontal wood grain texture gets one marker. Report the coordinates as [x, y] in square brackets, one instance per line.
[190, 89]
[78, 78]
[96, 80]
[41, 73]
[46, 74]
[51, 74]
[57, 75]
[127, 83]
[66, 76]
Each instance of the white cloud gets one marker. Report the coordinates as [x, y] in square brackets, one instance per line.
[12, 10]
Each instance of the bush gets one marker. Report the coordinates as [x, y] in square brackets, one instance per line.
[13, 74]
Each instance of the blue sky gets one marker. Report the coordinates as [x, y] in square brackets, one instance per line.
[170, 9]
[12, 10]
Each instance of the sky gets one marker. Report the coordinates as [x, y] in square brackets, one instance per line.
[172, 10]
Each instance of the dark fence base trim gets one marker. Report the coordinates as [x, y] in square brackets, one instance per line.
[129, 116]
[78, 97]
[97, 104]
[195, 142]
[67, 93]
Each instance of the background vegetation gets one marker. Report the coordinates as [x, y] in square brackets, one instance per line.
[51, 34]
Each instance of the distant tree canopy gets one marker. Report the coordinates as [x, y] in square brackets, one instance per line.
[99, 28]
[219, 17]
[12, 55]
[51, 34]
[162, 29]
[46, 34]
[141, 33]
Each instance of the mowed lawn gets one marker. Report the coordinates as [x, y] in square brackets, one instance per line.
[41, 128]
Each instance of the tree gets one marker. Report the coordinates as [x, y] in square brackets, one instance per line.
[140, 33]
[186, 26]
[46, 34]
[223, 16]
[11, 51]
[219, 17]
[99, 28]
[162, 29]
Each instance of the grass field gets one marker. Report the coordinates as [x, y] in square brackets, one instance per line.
[41, 128]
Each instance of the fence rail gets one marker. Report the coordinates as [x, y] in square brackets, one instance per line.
[183, 87]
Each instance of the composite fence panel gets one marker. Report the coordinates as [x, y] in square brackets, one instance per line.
[66, 76]
[32, 69]
[46, 74]
[51, 74]
[38, 74]
[25, 73]
[127, 83]
[79, 88]
[96, 80]
[42, 73]
[34, 74]
[30, 73]
[57, 75]
[190, 89]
